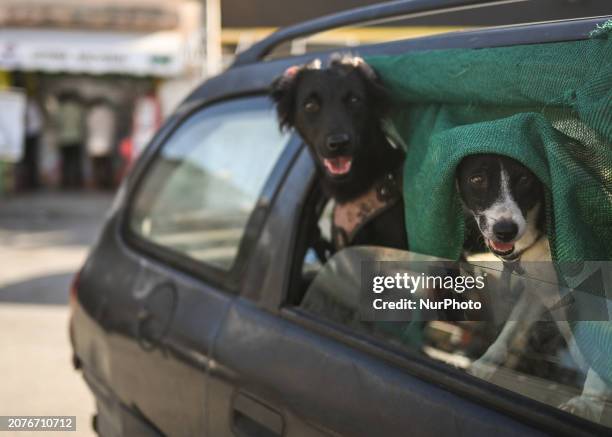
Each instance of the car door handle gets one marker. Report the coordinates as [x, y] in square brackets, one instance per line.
[251, 418]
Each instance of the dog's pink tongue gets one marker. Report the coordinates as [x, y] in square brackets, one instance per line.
[501, 247]
[339, 165]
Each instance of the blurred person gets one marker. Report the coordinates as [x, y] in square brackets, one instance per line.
[70, 134]
[125, 158]
[146, 121]
[34, 123]
[101, 127]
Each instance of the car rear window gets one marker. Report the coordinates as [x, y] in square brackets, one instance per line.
[199, 192]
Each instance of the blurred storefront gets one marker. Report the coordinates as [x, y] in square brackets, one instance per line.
[97, 77]
[114, 68]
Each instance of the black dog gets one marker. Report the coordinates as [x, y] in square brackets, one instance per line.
[338, 111]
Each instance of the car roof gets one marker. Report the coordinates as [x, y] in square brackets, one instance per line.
[252, 73]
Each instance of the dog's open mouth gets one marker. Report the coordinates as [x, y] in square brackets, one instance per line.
[501, 249]
[339, 165]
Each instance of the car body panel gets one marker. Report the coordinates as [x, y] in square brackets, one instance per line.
[342, 389]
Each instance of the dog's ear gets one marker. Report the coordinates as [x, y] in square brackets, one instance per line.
[283, 90]
[374, 86]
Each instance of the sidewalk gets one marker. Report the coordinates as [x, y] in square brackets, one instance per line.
[44, 239]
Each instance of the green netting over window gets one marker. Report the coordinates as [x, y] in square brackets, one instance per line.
[547, 105]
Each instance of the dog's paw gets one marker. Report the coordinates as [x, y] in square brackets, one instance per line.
[588, 407]
[482, 369]
[487, 365]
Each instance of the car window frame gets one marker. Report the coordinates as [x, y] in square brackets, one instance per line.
[542, 416]
[495, 37]
[513, 404]
[226, 280]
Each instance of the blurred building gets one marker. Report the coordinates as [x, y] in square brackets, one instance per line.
[137, 58]
[92, 79]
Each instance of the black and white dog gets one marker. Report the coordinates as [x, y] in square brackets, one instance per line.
[338, 111]
[507, 203]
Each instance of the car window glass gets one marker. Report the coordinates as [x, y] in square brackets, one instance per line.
[199, 192]
[540, 362]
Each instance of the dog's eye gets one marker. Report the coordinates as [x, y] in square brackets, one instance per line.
[478, 181]
[524, 181]
[353, 100]
[311, 106]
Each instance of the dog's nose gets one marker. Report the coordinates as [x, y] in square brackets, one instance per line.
[337, 141]
[505, 230]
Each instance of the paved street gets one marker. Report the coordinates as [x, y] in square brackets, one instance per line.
[44, 238]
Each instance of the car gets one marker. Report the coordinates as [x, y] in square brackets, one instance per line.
[187, 316]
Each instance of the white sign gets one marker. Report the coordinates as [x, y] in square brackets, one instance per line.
[12, 125]
[163, 54]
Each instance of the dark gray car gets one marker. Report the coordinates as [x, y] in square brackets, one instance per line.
[187, 318]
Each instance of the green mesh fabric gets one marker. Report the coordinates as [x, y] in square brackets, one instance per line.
[547, 105]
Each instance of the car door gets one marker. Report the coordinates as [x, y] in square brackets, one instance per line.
[280, 370]
[162, 287]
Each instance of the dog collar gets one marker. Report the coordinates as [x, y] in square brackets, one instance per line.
[351, 216]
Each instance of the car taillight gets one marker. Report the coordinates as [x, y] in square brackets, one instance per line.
[74, 290]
